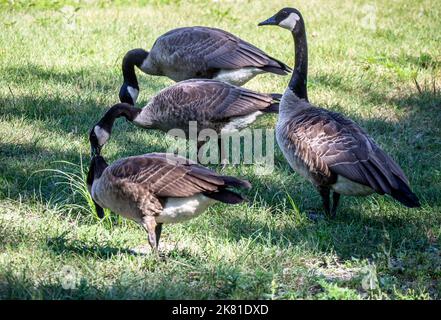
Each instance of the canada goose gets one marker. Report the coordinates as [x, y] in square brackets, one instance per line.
[197, 52]
[213, 104]
[331, 151]
[158, 188]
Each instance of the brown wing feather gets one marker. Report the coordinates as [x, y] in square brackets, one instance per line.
[164, 178]
[232, 52]
[301, 131]
[331, 143]
[209, 100]
[149, 179]
[211, 48]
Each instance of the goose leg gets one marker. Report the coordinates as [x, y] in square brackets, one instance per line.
[158, 230]
[335, 200]
[325, 194]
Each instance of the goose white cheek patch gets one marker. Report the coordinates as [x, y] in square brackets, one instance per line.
[133, 93]
[290, 22]
[102, 135]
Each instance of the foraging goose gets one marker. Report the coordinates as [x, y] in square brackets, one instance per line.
[213, 104]
[158, 188]
[331, 151]
[197, 52]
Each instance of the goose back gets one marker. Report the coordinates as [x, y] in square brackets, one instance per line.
[202, 52]
[213, 104]
[163, 186]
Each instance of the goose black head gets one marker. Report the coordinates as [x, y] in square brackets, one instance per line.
[100, 133]
[96, 168]
[98, 137]
[129, 90]
[128, 93]
[287, 18]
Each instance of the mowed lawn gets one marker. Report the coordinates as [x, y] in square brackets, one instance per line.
[60, 70]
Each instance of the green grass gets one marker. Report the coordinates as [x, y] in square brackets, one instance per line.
[60, 70]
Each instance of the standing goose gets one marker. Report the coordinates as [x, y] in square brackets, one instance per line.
[213, 104]
[326, 148]
[158, 188]
[197, 52]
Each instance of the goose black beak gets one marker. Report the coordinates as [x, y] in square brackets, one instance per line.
[99, 210]
[269, 22]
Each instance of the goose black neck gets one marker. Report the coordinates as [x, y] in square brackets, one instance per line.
[116, 111]
[298, 83]
[133, 58]
[96, 169]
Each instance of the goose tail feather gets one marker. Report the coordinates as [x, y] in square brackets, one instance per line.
[227, 196]
[274, 106]
[235, 182]
[404, 195]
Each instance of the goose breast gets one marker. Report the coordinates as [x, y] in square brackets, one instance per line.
[107, 196]
[290, 152]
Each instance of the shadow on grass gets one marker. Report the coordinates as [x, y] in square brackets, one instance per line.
[91, 79]
[62, 245]
[19, 164]
[61, 117]
[16, 286]
[351, 234]
[81, 79]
